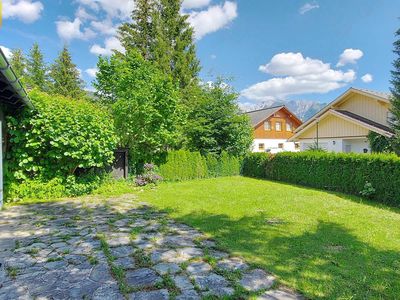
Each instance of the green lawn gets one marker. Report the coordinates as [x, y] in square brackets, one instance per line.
[322, 244]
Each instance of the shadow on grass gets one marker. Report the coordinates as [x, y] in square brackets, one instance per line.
[329, 262]
[357, 199]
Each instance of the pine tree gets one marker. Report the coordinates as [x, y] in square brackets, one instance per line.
[395, 89]
[139, 33]
[36, 69]
[65, 76]
[164, 36]
[18, 63]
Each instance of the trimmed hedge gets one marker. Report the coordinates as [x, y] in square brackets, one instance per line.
[185, 165]
[341, 172]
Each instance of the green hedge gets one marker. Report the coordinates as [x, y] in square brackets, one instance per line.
[342, 172]
[185, 165]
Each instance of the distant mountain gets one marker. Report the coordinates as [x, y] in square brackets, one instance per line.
[303, 109]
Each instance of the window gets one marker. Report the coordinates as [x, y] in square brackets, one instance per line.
[261, 147]
[278, 126]
[267, 125]
[288, 127]
[280, 145]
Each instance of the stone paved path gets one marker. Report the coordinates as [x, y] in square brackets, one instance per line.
[117, 249]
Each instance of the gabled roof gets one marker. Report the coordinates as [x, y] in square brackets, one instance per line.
[12, 92]
[257, 116]
[260, 115]
[385, 97]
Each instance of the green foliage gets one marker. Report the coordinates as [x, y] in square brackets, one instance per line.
[395, 89]
[36, 69]
[380, 143]
[215, 123]
[341, 172]
[144, 103]
[184, 165]
[18, 63]
[60, 138]
[65, 76]
[35, 189]
[163, 35]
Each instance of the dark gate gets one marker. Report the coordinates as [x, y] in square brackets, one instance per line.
[120, 165]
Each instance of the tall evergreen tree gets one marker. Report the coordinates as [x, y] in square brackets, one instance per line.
[36, 69]
[163, 35]
[65, 76]
[395, 89]
[139, 33]
[18, 63]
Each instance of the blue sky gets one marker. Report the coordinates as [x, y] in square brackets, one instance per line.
[272, 49]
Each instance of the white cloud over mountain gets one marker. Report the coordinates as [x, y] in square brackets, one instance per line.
[295, 75]
[349, 56]
[27, 11]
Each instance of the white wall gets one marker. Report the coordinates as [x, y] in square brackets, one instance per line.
[338, 145]
[273, 145]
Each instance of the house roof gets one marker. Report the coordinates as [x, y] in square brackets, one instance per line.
[365, 121]
[260, 115]
[12, 92]
[385, 97]
[257, 116]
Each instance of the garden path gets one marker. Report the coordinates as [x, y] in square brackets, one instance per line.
[117, 248]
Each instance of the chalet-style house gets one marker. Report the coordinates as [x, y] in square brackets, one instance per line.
[273, 127]
[344, 124]
[12, 97]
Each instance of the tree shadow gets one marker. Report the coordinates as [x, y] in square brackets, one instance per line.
[329, 262]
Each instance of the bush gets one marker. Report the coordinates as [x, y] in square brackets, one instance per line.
[35, 189]
[185, 165]
[58, 137]
[62, 140]
[342, 172]
[149, 176]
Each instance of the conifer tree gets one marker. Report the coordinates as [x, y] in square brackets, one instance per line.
[395, 89]
[163, 35]
[65, 76]
[36, 69]
[18, 63]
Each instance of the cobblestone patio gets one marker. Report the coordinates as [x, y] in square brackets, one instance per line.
[117, 249]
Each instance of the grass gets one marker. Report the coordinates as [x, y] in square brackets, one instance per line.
[324, 245]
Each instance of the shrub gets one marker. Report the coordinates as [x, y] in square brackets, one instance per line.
[58, 137]
[342, 172]
[35, 189]
[149, 176]
[62, 138]
[185, 165]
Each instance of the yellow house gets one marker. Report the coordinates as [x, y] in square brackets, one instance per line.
[344, 124]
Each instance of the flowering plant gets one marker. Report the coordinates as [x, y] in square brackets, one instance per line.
[149, 176]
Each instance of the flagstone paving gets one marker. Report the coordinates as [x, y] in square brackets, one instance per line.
[117, 249]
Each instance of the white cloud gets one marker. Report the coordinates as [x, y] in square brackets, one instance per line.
[213, 19]
[7, 52]
[190, 4]
[105, 27]
[307, 7]
[68, 30]
[89, 3]
[83, 15]
[294, 64]
[367, 78]
[110, 44]
[92, 72]
[349, 56]
[299, 75]
[213, 56]
[23, 10]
